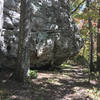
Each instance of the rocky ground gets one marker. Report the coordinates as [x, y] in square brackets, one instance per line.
[69, 84]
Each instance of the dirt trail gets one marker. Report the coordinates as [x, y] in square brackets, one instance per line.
[69, 84]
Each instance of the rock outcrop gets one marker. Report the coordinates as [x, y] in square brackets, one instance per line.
[55, 36]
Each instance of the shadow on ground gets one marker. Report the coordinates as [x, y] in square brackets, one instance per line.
[70, 84]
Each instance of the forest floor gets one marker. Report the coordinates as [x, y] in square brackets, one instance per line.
[71, 83]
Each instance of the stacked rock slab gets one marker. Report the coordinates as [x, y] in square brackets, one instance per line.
[55, 36]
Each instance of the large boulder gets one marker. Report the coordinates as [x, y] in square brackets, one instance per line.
[55, 36]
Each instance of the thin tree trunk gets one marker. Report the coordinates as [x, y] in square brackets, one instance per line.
[23, 61]
[68, 2]
[98, 45]
[84, 48]
[91, 46]
[1, 21]
[83, 54]
[91, 65]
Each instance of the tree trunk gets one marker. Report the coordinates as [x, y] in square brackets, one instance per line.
[68, 2]
[98, 45]
[1, 21]
[84, 48]
[91, 47]
[23, 61]
[91, 65]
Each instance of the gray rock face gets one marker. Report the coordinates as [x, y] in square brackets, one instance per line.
[55, 37]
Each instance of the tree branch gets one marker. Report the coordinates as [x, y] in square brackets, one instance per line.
[77, 7]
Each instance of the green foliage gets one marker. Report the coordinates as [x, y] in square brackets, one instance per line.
[86, 70]
[51, 80]
[95, 76]
[81, 60]
[81, 16]
[66, 65]
[33, 74]
[74, 5]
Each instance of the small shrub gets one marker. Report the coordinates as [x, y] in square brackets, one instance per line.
[33, 74]
[81, 60]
